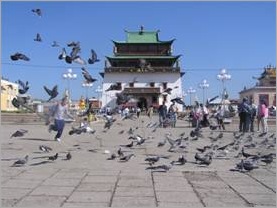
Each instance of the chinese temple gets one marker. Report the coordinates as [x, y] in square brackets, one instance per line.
[144, 67]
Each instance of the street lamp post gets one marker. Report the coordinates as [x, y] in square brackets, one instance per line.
[224, 76]
[99, 91]
[204, 85]
[69, 75]
[86, 86]
[190, 92]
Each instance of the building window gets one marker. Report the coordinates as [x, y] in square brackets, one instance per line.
[264, 97]
[131, 84]
[164, 85]
[164, 98]
[154, 99]
[152, 84]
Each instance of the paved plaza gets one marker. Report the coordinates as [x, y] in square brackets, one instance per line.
[90, 180]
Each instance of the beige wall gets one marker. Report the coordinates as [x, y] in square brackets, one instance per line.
[9, 90]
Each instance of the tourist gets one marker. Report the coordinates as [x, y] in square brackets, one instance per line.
[58, 112]
[150, 111]
[205, 122]
[173, 111]
[253, 110]
[162, 113]
[264, 117]
[220, 117]
[138, 112]
[244, 115]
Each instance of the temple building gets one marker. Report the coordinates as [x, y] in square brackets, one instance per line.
[265, 88]
[145, 68]
[9, 90]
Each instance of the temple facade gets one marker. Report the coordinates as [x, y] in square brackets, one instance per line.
[145, 68]
[265, 88]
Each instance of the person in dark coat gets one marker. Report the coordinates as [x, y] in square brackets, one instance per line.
[162, 113]
[244, 115]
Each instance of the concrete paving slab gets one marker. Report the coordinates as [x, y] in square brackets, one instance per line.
[99, 179]
[41, 201]
[20, 183]
[261, 199]
[134, 191]
[82, 196]
[14, 193]
[8, 202]
[94, 187]
[135, 182]
[53, 190]
[176, 197]
[80, 204]
[183, 204]
[61, 182]
[133, 202]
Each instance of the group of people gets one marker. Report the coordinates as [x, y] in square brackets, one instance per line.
[168, 116]
[248, 112]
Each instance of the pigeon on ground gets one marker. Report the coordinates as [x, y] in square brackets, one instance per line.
[120, 153]
[112, 157]
[249, 165]
[38, 38]
[87, 76]
[181, 161]
[53, 157]
[24, 87]
[19, 133]
[52, 93]
[21, 162]
[162, 143]
[245, 154]
[126, 157]
[93, 57]
[163, 168]
[68, 156]
[128, 145]
[19, 56]
[37, 12]
[45, 148]
[205, 160]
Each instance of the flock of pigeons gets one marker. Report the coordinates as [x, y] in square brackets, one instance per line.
[251, 151]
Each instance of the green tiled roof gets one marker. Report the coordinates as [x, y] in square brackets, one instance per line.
[142, 37]
[143, 57]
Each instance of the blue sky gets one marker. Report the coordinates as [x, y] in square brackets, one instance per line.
[238, 36]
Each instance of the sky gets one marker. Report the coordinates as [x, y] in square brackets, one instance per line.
[210, 36]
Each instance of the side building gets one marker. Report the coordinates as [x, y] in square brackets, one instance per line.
[143, 67]
[9, 90]
[265, 88]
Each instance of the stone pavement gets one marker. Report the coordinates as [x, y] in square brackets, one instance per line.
[90, 180]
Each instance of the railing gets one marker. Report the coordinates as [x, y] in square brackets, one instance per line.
[139, 70]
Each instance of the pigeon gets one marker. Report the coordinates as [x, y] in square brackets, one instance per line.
[163, 168]
[37, 12]
[63, 54]
[152, 160]
[87, 76]
[19, 56]
[21, 162]
[178, 100]
[112, 157]
[53, 157]
[79, 60]
[181, 161]
[68, 156]
[162, 143]
[55, 44]
[128, 145]
[168, 90]
[19, 133]
[206, 160]
[52, 93]
[245, 154]
[24, 86]
[140, 140]
[116, 86]
[93, 57]
[120, 153]
[38, 38]
[126, 158]
[249, 165]
[45, 148]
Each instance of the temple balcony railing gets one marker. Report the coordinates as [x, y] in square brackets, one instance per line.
[142, 70]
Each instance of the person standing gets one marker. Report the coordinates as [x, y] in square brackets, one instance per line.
[150, 112]
[173, 111]
[253, 113]
[59, 111]
[162, 113]
[220, 117]
[244, 115]
[264, 117]
[138, 110]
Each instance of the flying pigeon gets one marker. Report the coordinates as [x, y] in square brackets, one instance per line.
[87, 76]
[55, 44]
[21, 162]
[38, 38]
[52, 93]
[93, 57]
[19, 56]
[19, 133]
[24, 86]
[168, 90]
[37, 12]
[122, 98]
[63, 54]
[178, 100]
[116, 86]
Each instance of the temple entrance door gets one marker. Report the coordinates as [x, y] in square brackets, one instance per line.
[142, 103]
